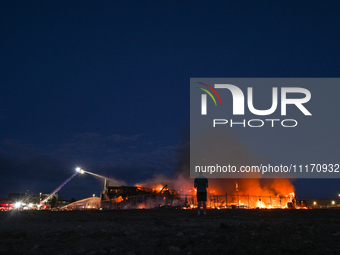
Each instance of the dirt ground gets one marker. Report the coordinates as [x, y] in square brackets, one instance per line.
[170, 231]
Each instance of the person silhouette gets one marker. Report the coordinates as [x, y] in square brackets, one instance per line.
[201, 184]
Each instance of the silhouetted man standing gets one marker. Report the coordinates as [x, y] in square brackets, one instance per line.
[201, 183]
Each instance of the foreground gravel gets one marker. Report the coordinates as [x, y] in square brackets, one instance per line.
[171, 232]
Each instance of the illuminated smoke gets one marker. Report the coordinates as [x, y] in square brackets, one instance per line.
[237, 154]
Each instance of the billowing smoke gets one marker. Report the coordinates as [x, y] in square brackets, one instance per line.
[237, 154]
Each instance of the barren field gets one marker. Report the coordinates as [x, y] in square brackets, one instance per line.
[166, 231]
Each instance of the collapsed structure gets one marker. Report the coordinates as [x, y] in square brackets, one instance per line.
[133, 197]
[138, 197]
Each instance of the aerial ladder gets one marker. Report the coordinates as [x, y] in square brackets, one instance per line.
[59, 187]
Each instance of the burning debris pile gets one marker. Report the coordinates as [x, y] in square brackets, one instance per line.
[137, 197]
[222, 194]
[179, 191]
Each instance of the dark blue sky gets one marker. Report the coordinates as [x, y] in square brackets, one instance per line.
[105, 84]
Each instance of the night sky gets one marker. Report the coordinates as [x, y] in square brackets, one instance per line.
[105, 84]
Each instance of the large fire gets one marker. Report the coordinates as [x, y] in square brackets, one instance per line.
[222, 193]
[229, 193]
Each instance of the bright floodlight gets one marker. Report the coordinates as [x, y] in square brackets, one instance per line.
[17, 204]
[78, 169]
